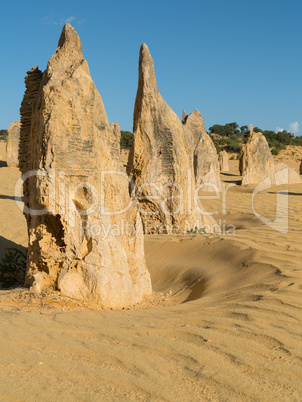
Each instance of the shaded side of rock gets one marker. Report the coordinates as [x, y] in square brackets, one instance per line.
[26, 145]
[184, 116]
[77, 202]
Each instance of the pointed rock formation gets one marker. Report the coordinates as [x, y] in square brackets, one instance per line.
[206, 165]
[223, 161]
[12, 144]
[184, 116]
[161, 161]
[85, 236]
[256, 163]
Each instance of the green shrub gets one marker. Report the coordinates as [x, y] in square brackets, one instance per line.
[275, 151]
[233, 145]
[12, 268]
[196, 231]
[126, 139]
[3, 135]
[231, 134]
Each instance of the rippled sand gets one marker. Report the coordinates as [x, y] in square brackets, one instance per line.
[227, 327]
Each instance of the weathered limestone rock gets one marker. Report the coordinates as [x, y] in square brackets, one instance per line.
[12, 144]
[116, 139]
[256, 163]
[301, 167]
[32, 84]
[85, 236]
[286, 175]
[161, 161]
[223, 161]
[206, 165]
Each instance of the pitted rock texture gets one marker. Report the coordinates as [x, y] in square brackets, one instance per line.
[12, 144]
[116, 139]
[161, 163]
[85, 236]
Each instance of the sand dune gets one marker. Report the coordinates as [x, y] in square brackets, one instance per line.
[225, 322]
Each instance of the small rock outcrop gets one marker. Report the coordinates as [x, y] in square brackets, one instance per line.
[184, 116]
[12, 144]
[205, 159]
[161, 161]
[223, 161]
[85, 236]
[256, 163]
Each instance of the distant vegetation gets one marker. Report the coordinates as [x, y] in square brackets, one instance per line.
[231, 137]
[3, 135]
[126, 139]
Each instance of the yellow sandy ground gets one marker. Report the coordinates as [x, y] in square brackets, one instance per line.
[226, 323]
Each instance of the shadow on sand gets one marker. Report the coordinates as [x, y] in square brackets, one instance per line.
[283, 192]
[229, 174]
[5, 244]
[9, 197]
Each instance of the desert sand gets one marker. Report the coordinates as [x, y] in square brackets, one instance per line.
[224, 323]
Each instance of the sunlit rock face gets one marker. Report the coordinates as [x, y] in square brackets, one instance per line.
[12, 144]
[161, 161]
[256, 163]
[88, 243]
[205, 159]
[223, 161]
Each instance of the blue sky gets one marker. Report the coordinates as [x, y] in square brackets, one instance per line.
[236, 60]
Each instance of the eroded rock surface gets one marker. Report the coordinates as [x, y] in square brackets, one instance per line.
[223, 161]
[79, 244]
[256, 163]
[12, 144]
[161, 162]
[116, 139]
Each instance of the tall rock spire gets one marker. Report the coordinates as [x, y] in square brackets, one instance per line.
[84, 230]
[161, 160]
